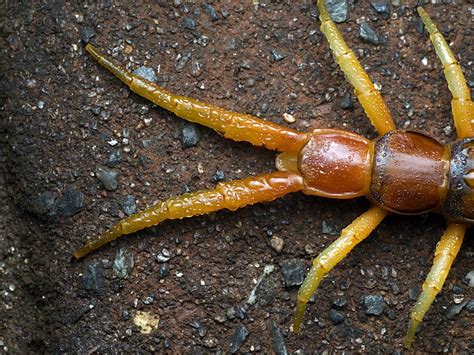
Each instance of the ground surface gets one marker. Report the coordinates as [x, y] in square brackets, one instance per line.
[63, 117]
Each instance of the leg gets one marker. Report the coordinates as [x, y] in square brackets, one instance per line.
[236, 126]
[231, 195]
[368, 96]
[446, 251]
[352, 235]
[461, 104]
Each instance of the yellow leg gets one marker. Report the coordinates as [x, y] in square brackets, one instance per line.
[368, 96]
[445, 253]
[461, 104]
[236, 126]
[352, 235]
[231, 195]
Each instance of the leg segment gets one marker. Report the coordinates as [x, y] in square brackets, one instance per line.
[368, 96]
[461, 104]
[445, 253]
[352, 235]
[231, 195]
[236, 126]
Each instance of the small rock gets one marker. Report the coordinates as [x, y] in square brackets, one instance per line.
[182, 61]
[230, 313]
[92, 279]
[336, 317]
[108, 177]
[128, 205]
[86, 34]
[188, 23]
[278, 340]
[218, 176]
[147, 73]
[368, 34]
[381, 7]
[293, 272]
[277, 243]
[164, 270]
[146, 322]
[211, 11]
[70, 203]
[277, 56]
[115, 158]
[414, 292]
[329, 229]
[200, 327]
[163, 256]
[458, 290]
[470, 306]
[43, 203]
[190, 134]
[240, 312]
[470, 278]
[347, 102]
[123, 262]
[373, 304]
[455, 309]
[339, 303]
[337, 10]
[238, 338]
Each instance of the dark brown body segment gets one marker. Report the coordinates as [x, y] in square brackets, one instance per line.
[460, 199]
[336, 164]
[410, 173]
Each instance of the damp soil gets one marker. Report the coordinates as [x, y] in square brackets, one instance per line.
[65, 120]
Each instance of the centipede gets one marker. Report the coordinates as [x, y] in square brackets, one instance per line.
[399, 172]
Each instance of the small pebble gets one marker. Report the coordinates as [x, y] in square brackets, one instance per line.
[70, 203]
[188, 23]
[277, 243]
[336, 317]
[123, 262]
[147, 73]
[279, 347]
[92, 279]
[86, 34]
[164, 270]
[455, 309]
[163, 256]
[373, 304]
[277, 56]
[293, 272]
[367, 33]
[337, 10]
[190, 134]
[339, 303]
[329, 229]
[211, 11]
[347, 102]
[470, 306]
[218, 176]
[108, 177]
[238, 338]
[381, 7]
[289, 118]
[470, 278]
[115, 158]
[128, 205]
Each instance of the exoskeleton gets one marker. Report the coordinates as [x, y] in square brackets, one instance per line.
[400, 171]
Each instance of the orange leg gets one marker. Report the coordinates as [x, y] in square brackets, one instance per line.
[461, 104]
[368, 96]
[352, 235]
[231, 195]
[445, 253]
[236, 126]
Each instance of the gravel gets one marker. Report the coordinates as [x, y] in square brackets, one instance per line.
[337, 10]
[336, 317]
[293, 271]
[128, 205]
[368, 34]
[108, 177]
[147, 73]
[123, 262]
[381, 7]
[190, 134]
[70, 203]
[279, 347]
[92, 279]
[238, 338]
[373, 304]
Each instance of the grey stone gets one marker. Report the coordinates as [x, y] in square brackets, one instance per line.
[147, 73]
[123, 262]
[336, 317]
[128, 205]
[381, 7]
[293, 272]
[455, 309]
[87, 33]
[339, 303]
[164, 270]
[211, 11]
[108, 177]
[470, 278]
[279, 347]
[92, 279]
[337, 10]
[189, 23]
[70, 203]
[238, 338]
[190, 134]
[115, 158]
[470, 306]
[373, 304]
[277, 56]
[368, 34]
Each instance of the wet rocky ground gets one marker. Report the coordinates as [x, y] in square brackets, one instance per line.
[79, 151]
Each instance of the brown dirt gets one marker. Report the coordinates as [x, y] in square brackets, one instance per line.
[215, 259]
